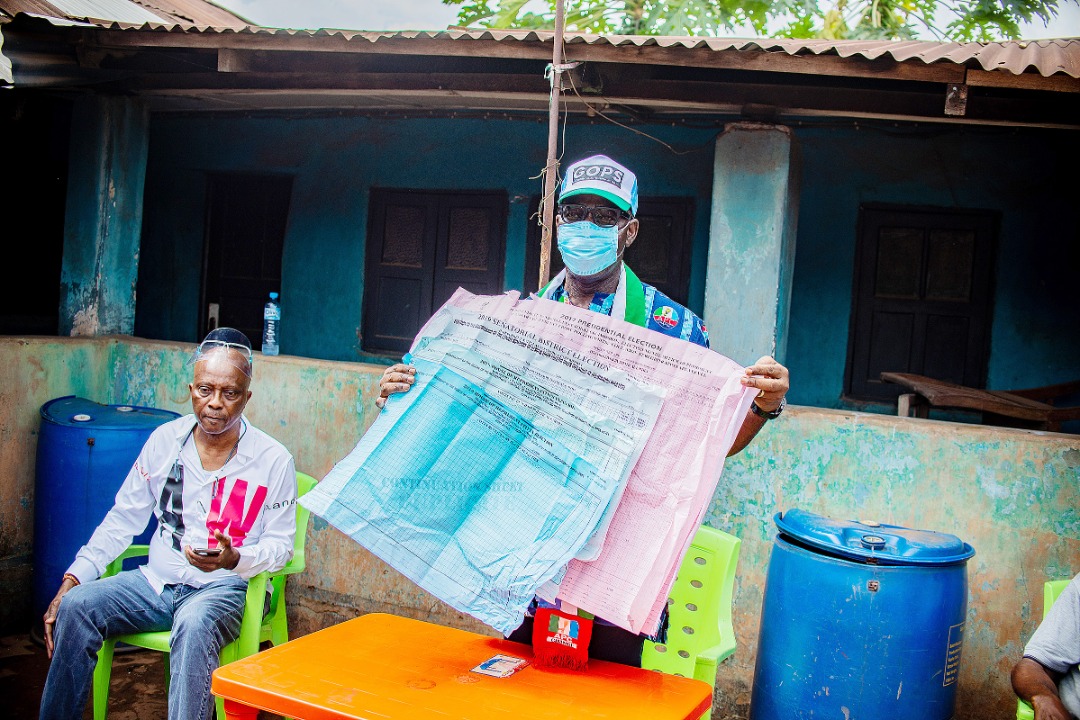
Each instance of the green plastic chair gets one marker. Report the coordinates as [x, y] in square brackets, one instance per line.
[255, 628]
[700, 631]
[1051, 590]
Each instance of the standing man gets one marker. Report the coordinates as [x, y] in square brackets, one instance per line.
[1048, 676]
[222, 492]
[596, 223]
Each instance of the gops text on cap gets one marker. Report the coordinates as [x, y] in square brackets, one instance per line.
[600, 175]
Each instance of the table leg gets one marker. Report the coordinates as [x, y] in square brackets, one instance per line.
[239, 711]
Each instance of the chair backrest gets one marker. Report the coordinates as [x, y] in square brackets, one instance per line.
[700, 631]
[304, 483]
[1051, 590]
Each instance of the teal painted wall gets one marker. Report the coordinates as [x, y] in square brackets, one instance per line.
[1022, 174]
[103, 215]
[1012, 494]
[335, 162]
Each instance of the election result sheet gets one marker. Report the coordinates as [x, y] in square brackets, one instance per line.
[483, 481]
[626, 570]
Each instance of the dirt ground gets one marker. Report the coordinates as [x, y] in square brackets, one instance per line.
[137, 690]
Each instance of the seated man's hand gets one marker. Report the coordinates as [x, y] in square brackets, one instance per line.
[1049, 707]
[53, 609]
[771, 380]
[227, 558]
[395, 379]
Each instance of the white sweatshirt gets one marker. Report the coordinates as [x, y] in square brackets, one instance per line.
[251, 498]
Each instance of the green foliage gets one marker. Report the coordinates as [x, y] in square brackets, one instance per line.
[622, 17]
[979, 20]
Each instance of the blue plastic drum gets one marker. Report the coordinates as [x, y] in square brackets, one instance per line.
[84, 452]
[860, 621]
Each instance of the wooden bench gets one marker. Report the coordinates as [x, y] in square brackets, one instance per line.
[1032, 408]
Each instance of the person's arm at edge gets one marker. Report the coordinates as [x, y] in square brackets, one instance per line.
[1038, 686]
[772, 382]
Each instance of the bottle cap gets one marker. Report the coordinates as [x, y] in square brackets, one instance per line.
[273, 296]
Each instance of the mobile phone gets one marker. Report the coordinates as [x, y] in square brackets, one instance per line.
[206, 552]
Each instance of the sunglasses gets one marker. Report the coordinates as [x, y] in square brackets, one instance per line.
[600, 215]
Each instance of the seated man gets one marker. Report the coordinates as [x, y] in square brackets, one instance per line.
[596, 222]
[1047, 676]
[222, 492]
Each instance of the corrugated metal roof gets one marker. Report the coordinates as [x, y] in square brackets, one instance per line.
[129, 12]
[120, 10]
[198, 12]
[1046, 57]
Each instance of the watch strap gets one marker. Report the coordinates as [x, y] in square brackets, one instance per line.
[768, 415]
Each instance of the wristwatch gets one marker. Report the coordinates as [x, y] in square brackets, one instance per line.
[769, 415]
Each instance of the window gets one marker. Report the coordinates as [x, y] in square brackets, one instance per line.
[922, 298]
[660, 256]
[422, 246]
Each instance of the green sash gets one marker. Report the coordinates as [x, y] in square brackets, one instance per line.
[634, 312]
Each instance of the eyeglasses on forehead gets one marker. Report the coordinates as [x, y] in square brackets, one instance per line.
[599, 214]
[209, 345]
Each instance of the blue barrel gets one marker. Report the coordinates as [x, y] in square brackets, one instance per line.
[861, 621]
[84, 452]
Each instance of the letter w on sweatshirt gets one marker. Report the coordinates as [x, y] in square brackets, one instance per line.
[231, 519]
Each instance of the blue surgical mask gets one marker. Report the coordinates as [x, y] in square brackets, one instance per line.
[587, 248]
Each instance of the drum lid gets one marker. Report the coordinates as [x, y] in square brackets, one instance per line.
[872, 541]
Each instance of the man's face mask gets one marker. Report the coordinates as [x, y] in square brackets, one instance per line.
[587, 248]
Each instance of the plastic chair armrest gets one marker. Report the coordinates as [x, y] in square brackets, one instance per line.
[717, 652]
[289, 569]
[118, 564]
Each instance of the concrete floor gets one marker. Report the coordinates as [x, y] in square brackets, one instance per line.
[137, 690]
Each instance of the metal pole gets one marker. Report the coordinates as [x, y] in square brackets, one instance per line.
[547, 202]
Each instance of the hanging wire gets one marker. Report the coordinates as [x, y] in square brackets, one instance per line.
[613, 121]
[539, 214]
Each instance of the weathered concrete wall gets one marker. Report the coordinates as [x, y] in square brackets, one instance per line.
[1012, 494]
[752, 248]
[109, 138]
[32, 372]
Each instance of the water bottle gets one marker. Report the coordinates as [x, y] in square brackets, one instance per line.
[271, 325]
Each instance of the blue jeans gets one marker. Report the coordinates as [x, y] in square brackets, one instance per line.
[203, 620]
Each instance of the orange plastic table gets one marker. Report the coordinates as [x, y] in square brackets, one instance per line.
[388, 667]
